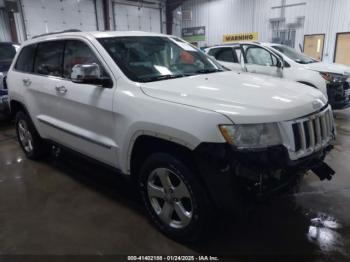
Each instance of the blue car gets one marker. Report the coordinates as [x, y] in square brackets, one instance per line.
[7, 53]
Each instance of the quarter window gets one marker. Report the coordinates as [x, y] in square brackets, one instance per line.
[25, 60]
[48, 60]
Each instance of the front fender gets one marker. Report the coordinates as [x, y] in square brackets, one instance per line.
[307, 77]
[185, 125]
[167, 133]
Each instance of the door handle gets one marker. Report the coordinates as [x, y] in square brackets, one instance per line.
[27, 81]
[61, 89]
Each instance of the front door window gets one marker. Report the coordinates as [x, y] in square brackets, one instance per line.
[256, 55]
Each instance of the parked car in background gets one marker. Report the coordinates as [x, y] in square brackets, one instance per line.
[191, 135]
[7, 53]
[285, 62]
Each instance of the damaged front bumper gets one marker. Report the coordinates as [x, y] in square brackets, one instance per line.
[339, 95]
[225, 171]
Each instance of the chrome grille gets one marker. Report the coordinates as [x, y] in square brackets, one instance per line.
[310, 134]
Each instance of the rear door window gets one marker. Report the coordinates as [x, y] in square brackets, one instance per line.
[48, 60]
[226, 55]
[25, 59]
[213, 51]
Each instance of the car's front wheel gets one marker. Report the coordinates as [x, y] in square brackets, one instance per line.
[175, 202]
[32, 144]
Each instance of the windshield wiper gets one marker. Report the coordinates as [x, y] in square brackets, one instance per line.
[208, 71]
[161, 77]
[303, 62]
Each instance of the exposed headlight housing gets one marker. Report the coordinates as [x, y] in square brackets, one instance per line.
[252, 136]
[335, 78]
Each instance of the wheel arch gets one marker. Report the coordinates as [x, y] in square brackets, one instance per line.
[144, 145]
[207, 162]
[16, 106]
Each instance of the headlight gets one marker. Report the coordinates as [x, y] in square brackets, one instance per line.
[330, 77]
[252, 136]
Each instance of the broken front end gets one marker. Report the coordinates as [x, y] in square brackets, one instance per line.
[261, 172]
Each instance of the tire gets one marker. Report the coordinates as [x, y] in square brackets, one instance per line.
[179, 206]
[32, 144]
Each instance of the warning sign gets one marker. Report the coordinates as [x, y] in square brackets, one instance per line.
[241, 37]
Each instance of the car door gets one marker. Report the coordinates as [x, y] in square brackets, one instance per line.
[84, 118]
[260, 61]
[39, 74]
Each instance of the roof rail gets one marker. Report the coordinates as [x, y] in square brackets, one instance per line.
[58, 32]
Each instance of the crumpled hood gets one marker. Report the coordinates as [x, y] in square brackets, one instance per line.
[329, 68]
[243, 97]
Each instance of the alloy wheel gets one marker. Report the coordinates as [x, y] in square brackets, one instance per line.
[170, 198]
[25, 136]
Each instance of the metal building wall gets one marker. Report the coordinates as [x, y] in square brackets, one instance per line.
[327, 17]
[219, 17]
[338, 22]
[320, 17]
[238, 16]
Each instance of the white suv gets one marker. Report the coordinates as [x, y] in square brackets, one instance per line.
[333, 80]
[191, 135]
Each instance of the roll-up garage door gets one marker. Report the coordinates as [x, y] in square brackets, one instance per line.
[44, 16]
[130, 17]
[5, 34]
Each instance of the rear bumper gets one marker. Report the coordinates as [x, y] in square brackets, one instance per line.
[339, 95]
[226, 172]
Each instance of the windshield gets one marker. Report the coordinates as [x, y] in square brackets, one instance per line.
[294, 54]
[7, 52]
[147, 59]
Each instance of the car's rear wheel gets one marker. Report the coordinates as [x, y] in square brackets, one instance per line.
[175, 202]
[32, 144]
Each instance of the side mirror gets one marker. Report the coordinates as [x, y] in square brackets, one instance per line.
[89, 74]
